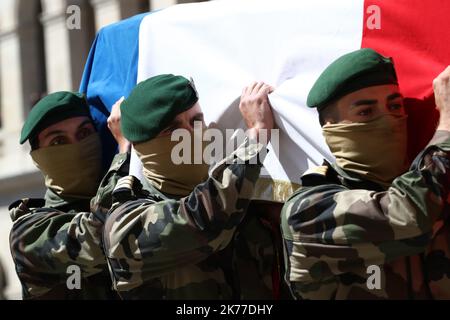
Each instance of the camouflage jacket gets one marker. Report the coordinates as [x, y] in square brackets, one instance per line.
[256, 256]
[166, 248]
[51, 234]
[337, 225]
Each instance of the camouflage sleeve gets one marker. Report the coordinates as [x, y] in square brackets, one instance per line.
[330, 230]
[119, 168]
[45, 241]
[145, 240]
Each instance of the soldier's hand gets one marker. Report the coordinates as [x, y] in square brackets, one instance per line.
[256, 110]
[441, 86]
[114, 127]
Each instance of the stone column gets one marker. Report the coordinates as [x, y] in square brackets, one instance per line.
[11, 88]
[57, 46]
[31, 38]
[130, 8]
[80, 40]
[161, 4]
[66, 50]
[106, 12]
[11, 84]
[19, 80]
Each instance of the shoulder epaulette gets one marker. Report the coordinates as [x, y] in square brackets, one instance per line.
[315, 176]
[127, 188]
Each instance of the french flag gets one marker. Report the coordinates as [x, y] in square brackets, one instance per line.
[224, 45]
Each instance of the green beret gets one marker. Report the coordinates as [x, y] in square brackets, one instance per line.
[53, 108]
[354, 71]
[153, 104]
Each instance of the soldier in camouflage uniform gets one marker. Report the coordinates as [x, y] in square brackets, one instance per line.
[368, 208]
[64, 229]
[166, 239]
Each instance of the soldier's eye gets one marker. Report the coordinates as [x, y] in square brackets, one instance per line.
[365, 112]
[84, 133]
[395, 107]
[58, 141]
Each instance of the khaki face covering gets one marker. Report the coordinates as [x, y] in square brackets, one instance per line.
[160, 169]
[71, 169]
[376, 150]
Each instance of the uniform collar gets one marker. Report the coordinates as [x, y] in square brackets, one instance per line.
[352, 180]
[66, 204]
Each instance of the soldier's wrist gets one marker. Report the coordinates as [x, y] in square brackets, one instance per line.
[124, 146]
[259, 134]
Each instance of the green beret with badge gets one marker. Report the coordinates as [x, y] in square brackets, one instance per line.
[153, 104]
[353, 71]
[53, 108]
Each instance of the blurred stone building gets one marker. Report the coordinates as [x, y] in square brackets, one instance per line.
[39, 54]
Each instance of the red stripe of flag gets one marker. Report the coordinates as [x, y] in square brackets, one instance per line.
[416, 34]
